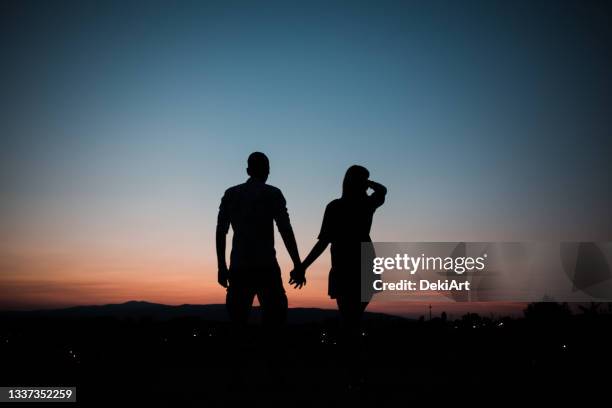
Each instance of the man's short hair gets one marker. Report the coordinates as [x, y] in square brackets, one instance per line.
[258, 160]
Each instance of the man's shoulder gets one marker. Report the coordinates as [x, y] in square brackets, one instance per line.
[272, 190]
[274, 194]
[234, 189]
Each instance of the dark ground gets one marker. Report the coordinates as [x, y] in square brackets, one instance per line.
[190, 361]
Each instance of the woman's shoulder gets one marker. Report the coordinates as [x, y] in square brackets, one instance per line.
[333, 204]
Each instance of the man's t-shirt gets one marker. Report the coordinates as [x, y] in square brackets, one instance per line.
[251, 209]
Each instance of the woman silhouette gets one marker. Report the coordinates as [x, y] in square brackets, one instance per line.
[346, 224]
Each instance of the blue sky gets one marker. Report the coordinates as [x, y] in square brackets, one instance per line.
[124, 122]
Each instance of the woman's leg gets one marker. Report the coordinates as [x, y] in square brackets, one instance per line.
[351, 312]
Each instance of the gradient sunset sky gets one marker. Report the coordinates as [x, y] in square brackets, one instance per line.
[123, 122]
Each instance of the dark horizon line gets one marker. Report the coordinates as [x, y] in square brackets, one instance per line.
[147, 303]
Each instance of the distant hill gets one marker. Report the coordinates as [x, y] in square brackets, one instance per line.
[213, 312]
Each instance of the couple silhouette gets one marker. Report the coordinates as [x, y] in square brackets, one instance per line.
[252, 208]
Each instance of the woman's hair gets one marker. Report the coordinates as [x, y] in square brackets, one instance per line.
[355, 181]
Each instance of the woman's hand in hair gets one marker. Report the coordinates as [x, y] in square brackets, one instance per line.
[377, 187]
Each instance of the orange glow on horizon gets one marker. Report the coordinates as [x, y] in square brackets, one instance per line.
[54, 281]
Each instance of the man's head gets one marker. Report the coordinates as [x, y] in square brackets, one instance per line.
[258, 166]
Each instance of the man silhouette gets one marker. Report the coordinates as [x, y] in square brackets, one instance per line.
[251, 209]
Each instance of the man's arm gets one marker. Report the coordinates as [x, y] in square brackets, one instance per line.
[284, 227]
[223, 223]
[222, 273]
[289, 239]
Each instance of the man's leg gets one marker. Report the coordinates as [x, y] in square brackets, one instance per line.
[273, 302]
[272, 297]
[239, 301]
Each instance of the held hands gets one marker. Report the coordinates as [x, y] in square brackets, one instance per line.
[298, 277]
